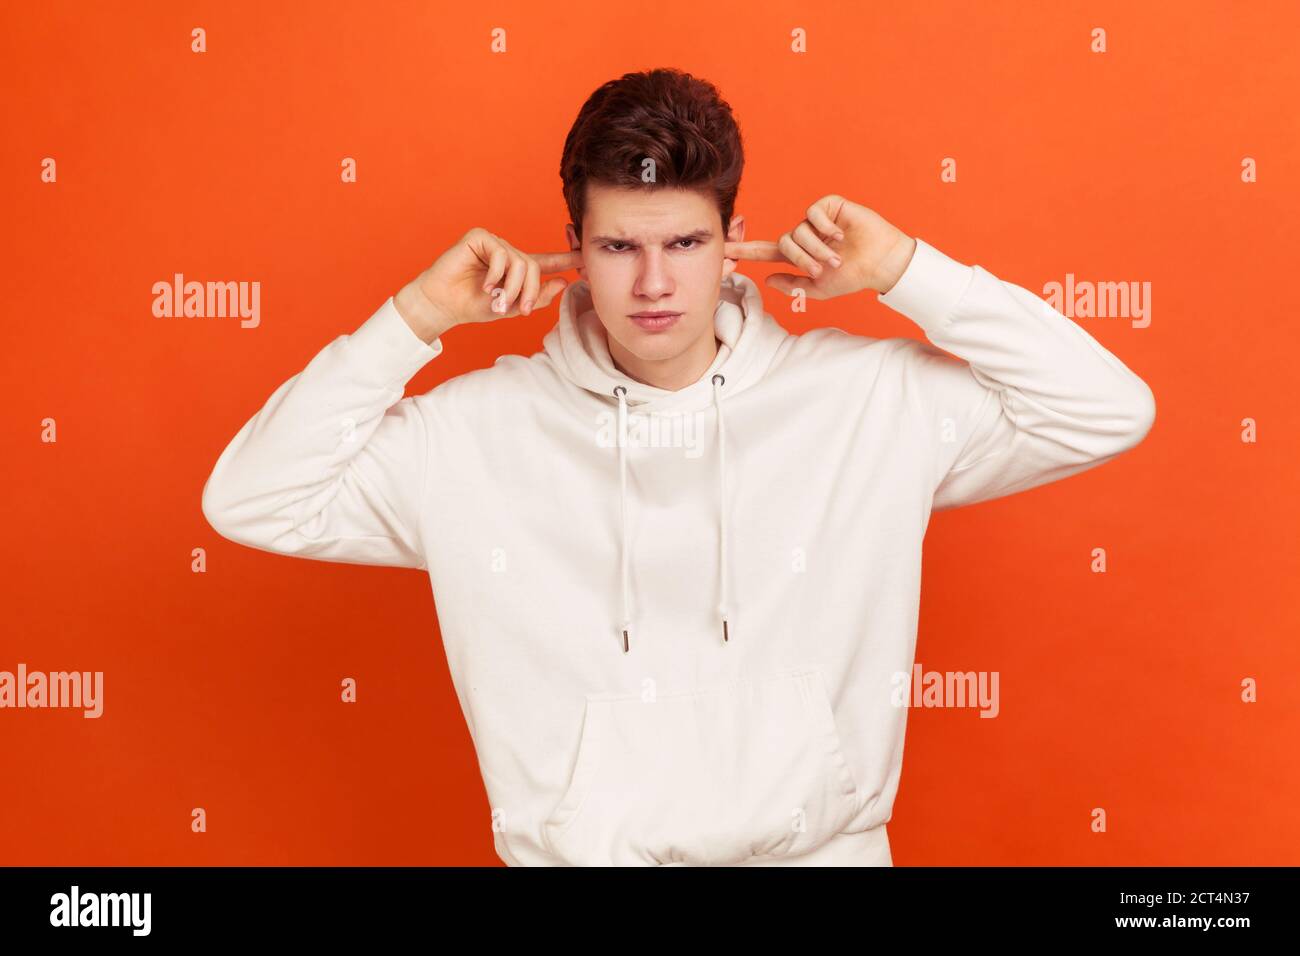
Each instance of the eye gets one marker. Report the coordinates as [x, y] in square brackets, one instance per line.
[693, 243]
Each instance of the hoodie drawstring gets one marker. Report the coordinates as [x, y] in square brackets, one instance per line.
[621, 392]
[718, 381]
[626, 625]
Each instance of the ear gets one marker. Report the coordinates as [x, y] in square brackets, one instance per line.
[735, 233]
[571, 237]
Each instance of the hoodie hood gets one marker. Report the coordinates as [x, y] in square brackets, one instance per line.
[750, 338]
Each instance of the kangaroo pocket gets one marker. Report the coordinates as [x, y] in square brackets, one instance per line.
[706, 778]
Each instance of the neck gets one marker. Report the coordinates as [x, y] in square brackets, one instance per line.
[671, 374]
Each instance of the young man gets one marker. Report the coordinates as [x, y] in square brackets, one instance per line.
[677, 552]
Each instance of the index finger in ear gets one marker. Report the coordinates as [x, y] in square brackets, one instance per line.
[758, 251]
[557, 261]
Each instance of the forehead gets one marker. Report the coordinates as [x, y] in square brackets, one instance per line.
[646, 213]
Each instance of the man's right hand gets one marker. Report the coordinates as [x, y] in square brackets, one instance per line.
[462, 286]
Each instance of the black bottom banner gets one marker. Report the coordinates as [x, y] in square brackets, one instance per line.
[91, 905]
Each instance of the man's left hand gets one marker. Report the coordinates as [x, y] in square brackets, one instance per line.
[872, 253]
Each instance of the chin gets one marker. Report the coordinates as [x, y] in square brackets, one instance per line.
[651, 351]
[657, 345]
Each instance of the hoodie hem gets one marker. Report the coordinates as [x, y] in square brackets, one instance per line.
[868, 847]
[862, 848]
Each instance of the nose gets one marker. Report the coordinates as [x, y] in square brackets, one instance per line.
[653, 279]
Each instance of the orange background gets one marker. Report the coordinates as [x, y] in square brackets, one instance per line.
[1119, 690]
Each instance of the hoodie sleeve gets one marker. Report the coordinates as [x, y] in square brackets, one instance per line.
[333, 466]
[1030, 397]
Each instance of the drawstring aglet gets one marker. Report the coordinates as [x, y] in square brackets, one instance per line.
[724, 630]
[625, 642]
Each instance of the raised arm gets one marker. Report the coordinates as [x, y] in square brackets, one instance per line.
[334, 466]
[1026, 396]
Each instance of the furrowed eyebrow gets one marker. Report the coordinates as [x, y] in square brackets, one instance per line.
[702, 235]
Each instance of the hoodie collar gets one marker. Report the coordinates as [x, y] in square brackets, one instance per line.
[749, 336]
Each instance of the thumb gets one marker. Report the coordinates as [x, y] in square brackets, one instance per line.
[550, 290]
[787, 283]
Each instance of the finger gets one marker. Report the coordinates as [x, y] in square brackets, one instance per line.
[550, 290]
[798, 255]
[532, 280]
[558, 261]
[757, 251]
[497, 266]
[787, 283]
[514, 281]
[823, 222]
[806, 237]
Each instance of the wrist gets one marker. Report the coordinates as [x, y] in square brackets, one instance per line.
[894, 263]
[419, 312]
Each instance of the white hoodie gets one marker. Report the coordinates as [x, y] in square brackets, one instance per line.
[680, 648]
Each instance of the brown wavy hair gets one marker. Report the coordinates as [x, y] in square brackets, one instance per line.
[672, 117]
